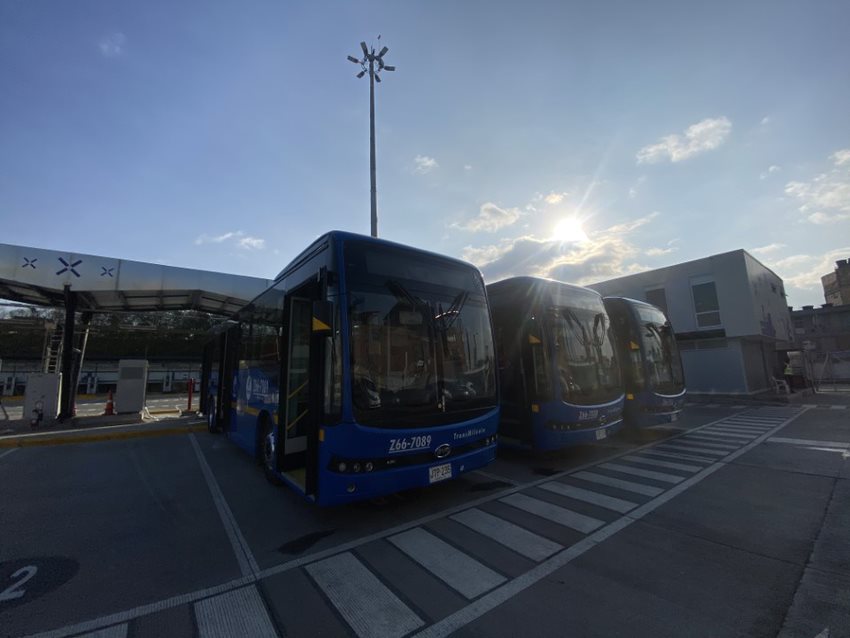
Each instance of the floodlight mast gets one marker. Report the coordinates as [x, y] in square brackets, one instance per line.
[372, 58]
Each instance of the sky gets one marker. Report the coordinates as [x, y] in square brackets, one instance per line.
[579, 141]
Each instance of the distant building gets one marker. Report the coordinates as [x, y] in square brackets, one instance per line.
[824, 329]
[730, 316]
[836, 285]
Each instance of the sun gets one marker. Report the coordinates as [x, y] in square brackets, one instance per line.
[569, 230]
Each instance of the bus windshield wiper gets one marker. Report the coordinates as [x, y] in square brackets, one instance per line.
[448, 317]
[599, 336]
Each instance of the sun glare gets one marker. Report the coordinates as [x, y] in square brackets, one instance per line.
[569, 229]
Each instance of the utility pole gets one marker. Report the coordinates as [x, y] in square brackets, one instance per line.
[367, 64]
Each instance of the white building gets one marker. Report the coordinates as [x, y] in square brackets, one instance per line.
[730, 316]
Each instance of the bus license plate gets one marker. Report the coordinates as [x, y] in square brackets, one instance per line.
[439, 472]
[601, 434]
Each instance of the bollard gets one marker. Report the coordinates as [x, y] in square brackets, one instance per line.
[191, 387]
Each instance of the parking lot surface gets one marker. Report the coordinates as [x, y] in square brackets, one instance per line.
[732, 522]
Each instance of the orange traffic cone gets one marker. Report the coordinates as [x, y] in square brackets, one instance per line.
[110, 409]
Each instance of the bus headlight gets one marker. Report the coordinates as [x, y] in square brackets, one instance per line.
[342, 466]
[369, 466]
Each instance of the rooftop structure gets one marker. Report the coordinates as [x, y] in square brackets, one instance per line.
[836, 285]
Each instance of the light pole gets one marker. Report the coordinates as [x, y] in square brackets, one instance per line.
[372, 58]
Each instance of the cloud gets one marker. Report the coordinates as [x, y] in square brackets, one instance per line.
[423, 164]
[766, 250]
[635, 188]
[251, 243]
[607, 254]
[825, 199]
[467, 167]
[554, 198]
[770, 171]
[703, 136]
[804, 272]
[491, 218]
[841, 157]
[112, 45]
[765, 120]
[671, 247]
[239, 239]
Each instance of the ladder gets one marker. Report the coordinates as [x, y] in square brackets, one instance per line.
[53, 340]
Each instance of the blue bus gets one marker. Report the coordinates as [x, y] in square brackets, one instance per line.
[558, 369]
[652, 367]
[366, 369]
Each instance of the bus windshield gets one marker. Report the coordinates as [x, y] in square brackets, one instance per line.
[421, 351]
[663, 364]
[587, 366]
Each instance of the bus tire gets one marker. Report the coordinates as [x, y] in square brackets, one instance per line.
[212, 417]
[268, 450]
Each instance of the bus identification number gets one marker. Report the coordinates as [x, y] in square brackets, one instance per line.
[410, 443]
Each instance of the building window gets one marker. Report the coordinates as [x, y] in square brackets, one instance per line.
[706, 308]
[657, 298]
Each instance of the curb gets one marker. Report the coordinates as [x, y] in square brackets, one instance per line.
[70, 438]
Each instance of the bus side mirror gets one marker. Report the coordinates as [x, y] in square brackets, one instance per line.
[323, 318]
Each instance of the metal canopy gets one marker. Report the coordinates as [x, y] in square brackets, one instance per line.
[38, 276]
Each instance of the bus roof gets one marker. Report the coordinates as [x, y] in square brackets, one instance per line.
[342, 235]
[537, 284]
[632, 302]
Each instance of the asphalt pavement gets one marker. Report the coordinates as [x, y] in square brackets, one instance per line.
[732, 523]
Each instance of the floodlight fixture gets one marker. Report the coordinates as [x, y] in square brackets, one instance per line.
[367, 64]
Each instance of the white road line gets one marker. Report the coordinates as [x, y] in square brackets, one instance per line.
[810, 405]
[511, 536]
[725, 435]
[366, 604]
[684, 447]
[841, 445]
[588, 496]
[727, 429]
[739, 407]
[738, 431]
[709, 443]
[838, 407]
[747, 423]
[629, 486]
[237, 613]
[554, 513]
[247, 564]
[116, 631]
[634, 458]
[679, 455]
[656, 476]
[490, 601]
[131, 613]
[458, 570]
[8, 452]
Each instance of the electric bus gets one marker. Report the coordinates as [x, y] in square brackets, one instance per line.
[652, 368]
[367, 368]
[558, 370]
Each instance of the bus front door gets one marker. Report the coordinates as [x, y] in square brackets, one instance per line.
[296, 400]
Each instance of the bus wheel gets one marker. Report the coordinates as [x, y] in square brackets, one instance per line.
[212, 421]
[268, 449]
